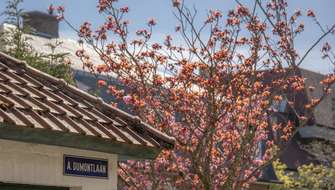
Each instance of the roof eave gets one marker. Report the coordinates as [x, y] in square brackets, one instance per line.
[70, 140]
[317, 132]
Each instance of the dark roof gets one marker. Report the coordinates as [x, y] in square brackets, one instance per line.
[268, 175]
[32, 99]
[40, 14]
[88, 82]
[322, 126]
[324, 113]
[317, 132]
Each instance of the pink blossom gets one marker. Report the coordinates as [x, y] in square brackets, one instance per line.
[326, 47]
[101, 83]
[127, 99]
[310, 13]
[124, 10]
[176, 3]
[152, 22]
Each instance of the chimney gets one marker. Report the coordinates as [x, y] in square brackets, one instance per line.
[41, 24]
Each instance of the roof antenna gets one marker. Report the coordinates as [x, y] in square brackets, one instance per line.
[51, 9]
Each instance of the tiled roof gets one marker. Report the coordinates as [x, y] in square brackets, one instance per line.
[32, 99]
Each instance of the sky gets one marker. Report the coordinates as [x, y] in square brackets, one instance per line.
[78, 11]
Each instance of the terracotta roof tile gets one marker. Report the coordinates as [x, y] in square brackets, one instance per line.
[30, 98]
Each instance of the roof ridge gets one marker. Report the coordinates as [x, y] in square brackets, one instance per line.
[135, 120]
[311, 71]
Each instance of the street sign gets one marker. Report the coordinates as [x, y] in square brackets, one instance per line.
[85, 167]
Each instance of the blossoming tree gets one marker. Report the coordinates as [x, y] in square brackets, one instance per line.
[212, 93]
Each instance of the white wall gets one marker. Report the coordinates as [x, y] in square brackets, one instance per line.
[35, 164]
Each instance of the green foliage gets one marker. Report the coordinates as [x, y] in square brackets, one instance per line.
[13, 39]
[13, 13]
[57, 70]
[316, 177]
[15, 42]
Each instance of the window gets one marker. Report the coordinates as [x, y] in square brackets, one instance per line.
[280, 106]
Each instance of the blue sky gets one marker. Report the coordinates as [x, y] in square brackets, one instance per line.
[78, 11]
